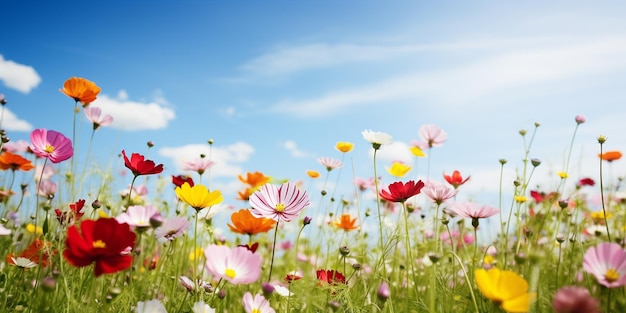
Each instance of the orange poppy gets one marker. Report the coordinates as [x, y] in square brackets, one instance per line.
[256, 179]
[610, 156]
[14, 162]
[81, 90]
[246, 224]
[37, 252]
[346, 222]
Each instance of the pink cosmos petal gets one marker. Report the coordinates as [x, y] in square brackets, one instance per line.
[597, 260]
[245, 264]
[264, 201]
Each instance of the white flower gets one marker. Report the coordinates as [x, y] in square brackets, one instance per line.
[376, 138]
[4, 231]
[23, 262]
[152, 306]
[201, 307]
[283, 291]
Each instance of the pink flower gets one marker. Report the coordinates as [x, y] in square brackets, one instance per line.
[438, 192]
[238, 265]
[279, 203]
[47, 188]
[364, 184]
[330, 163]
[258, 304]
[607, 262]
[433, 135]
[20, 146]
[580, 119]
[171, 229]
[573, 299]
[472, 210]
[51, 145]
[93, 114]
[138, 216]
[199, 165]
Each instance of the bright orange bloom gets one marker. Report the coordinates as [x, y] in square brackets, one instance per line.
[81, 90]
[245, 194]
[610, 156]
[256, 179]
[346, 222]
[246, 224]
[313, 174]
[37, 251]
[14, 162]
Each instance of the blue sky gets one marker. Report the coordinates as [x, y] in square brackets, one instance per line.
[276, 84]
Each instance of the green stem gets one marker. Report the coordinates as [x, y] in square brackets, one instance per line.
[269, 277]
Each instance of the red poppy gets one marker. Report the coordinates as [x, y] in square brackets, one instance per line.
[456, 179]
[586, 182]
[139, 166]
[75, 211]
[181, 179]
[105, 242]
[38, 252]
[400, 192]
[611, 156]
[330, 277]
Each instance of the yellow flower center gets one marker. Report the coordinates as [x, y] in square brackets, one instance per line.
[99, 244]
[256, 311]
[230, 273]
[280, 207]
[49, 148]
[611, 275]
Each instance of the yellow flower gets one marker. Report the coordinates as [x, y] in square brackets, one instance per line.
[313, 174]
[505, 288]
[198, 254]
[417, 151]
[344, 147]
[563, 175]
[31, 228]
[102, 214]
[198, 196]
[398, 169]
[520, 199]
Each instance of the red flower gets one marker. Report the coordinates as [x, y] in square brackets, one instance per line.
[456, 179]
[38, 251]
[586, 182]
[330, 277]
[400, 192]
[76, 212]
[104, 242]
[139, 166]
[252, 248]
[181, 179]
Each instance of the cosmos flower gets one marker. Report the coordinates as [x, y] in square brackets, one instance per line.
[611, 156]
[81, 90]
[574, 299]
[93, 115]
[198, 196]
[398, 169]
[313, 174]
[505, 288]
[152, 306]
[171, 229]
[38, 252]
[438, 193]
[104, 242]
[433, 135]
[330, 163]
[586, 182]
[19, 146]
[279, 203]
[51, 145]
[346, 222]
[22, 262]
[472, 210]
[256, 304]
[138, 216]
[201, 307]
[14, 162]
[254, 179]
[237, 265]
[179, 180]
[607, 263]
[377, 139]
[330, 277]
[139, 166]
[47, 188]
[400, 192]
[344, 147]
[247, 224]
[199, 165]
[455, 179]
[76, 212]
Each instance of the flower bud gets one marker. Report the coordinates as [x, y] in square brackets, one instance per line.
[307, 220]
[383, 292]
[344, 250]
[535, 162]
[580, 119]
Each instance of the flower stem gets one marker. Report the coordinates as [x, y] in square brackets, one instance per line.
[269, 277]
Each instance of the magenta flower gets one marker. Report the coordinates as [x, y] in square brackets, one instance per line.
[238, 265]
[199, 165]
[51, 145]
[433, 135]
[138, 217]
[607, 262]
[330, 163]
[472, 210]
[93, 114]
[438, 192]
[258, 304]
[279, 203]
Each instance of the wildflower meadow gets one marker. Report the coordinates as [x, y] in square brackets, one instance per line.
[71, 243]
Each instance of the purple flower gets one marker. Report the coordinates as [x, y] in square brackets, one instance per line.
[51, 145]
[279, 203]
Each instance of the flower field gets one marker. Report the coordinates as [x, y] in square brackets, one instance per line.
[68, 248]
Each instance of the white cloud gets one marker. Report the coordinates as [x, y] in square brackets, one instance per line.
[11, 122]
[22, 78]
[292, 147]
[132, 115]
[228, 159]
[394, 152]
[475, 79]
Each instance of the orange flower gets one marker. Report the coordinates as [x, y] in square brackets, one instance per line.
[610, 156]
[246, 193]
[81, 90]
[246, 224]
[313, 174]
[14, 162]
[37, 251]
[346, 222]
[256, 179]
